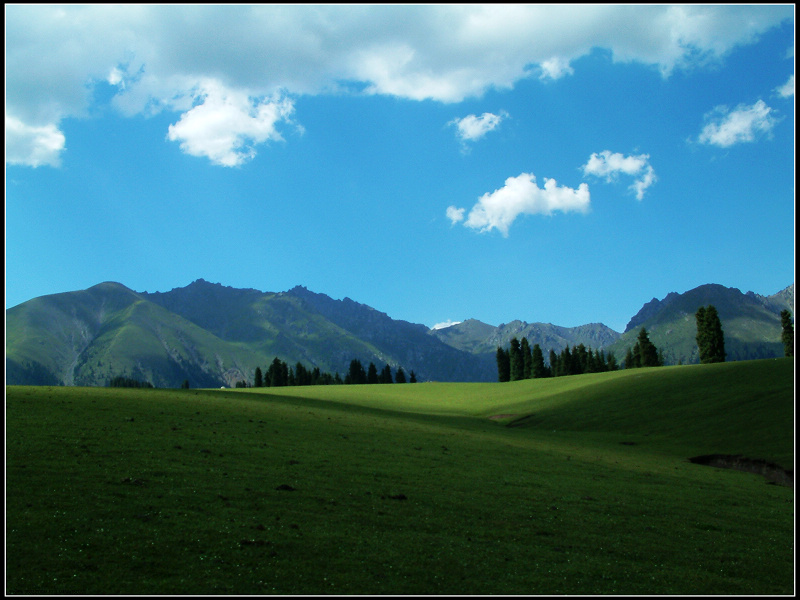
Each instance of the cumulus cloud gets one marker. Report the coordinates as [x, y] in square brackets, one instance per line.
[472, 128]
[33, 146]
[521, 195]
[787, 89]
[726, 127]
[156, 54]
[609, 165]
[226, 124]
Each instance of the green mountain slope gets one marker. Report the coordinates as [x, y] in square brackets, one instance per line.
[213, 335]
[751, 323]
[90, 336]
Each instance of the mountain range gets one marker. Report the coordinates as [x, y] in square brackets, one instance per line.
[213, 335]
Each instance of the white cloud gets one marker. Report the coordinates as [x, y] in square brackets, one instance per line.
[521, 195]
[726, 127]
[555, 68]
[33, 146]
[787, 89]
[156, 54]
[472, 128]
[115, 77]
[227, 123]
[456, 215]
[609, 165]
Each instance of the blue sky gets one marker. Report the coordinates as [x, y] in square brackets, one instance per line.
[552, 164]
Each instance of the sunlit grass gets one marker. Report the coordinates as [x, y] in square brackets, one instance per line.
[399, 489]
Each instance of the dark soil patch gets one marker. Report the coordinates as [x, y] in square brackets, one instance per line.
[772, 472]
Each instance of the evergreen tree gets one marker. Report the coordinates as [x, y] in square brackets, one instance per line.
[400, 376]
[787, 333]
[503, 365]
[537, 362]
[598, 362]
[581, 360]
[710, 337]
[527, 358]
[554, 368]
[259, 378]
[356, 375]
[637, 355]
[565, 362]
[372, 373]
[185, 384]
[275, 373]
[412, 378]
[702, 334]
[301, 375]
[386, 375]
[611, 362]
[285, 373]
[648, 353]
[628, 363]
[516, 362]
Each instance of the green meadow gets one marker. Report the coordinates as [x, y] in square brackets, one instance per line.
[573, 485]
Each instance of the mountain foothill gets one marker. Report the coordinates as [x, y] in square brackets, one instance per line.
[211, 335]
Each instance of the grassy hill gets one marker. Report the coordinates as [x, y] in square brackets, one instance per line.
[88, 337]
[751, 323]
[574, 485]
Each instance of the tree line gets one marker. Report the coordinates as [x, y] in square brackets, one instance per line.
[128, 382]
[521, 361]
[280, 374]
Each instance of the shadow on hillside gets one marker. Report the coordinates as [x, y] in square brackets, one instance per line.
[772, 472]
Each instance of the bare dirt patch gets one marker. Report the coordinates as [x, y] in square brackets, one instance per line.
[772, 472]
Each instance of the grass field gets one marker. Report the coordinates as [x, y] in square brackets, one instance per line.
[574, 485]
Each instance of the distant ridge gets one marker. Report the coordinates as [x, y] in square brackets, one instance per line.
[213, 335]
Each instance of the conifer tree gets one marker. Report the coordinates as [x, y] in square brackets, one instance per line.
[412, 378]
[515, 357]
[259, 378]
[702, 334]
[503, 365]
[554, 368]
[787, 333]
[628, 363]
[537, 362]
[400, 376]
[372, 373]
[648, 353]
[710, 337]
[527, 364]
[565, 362]
[356, 375]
